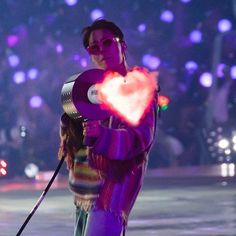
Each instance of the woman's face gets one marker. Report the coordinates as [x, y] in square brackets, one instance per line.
[105, 50]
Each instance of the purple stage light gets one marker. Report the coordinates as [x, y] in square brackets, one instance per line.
[13, 60]
[167, 16]
[32, 73]
[71, 2]
[185, 1]
[206, 79]
[95, 14]
[233, 72]
[142, 28]
[220, 70]
[76, 57]
[12, 40]
[59, 48]
[195, 36]
[191, 66]
[19, 77]
[224, 25]
[83, 62]
[150, 61]
[35, 101]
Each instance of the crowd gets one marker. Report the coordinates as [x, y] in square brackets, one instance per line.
[45, 36]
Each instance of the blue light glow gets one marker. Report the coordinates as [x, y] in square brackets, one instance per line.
[152, 62]
[71, 2]
[233, 72]
[224, 25]
[142, 28]
[13, 60]
[35, 101]
[195, 36]
[32, 73]
[19, 77]
[191, 66]
[206, 79]
[96, 14]
[167, 16]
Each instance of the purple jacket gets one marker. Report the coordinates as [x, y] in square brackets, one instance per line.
[120, 154]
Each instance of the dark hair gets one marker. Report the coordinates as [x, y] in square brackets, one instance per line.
[101, 24]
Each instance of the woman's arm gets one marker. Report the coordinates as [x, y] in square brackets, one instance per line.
[126, 142]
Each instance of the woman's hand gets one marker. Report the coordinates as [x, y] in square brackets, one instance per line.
[92, 128]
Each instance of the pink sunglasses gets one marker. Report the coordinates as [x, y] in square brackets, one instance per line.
[95, 49]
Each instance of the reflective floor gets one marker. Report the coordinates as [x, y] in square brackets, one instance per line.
[167, 206]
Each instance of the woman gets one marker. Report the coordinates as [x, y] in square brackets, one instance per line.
[119, 152]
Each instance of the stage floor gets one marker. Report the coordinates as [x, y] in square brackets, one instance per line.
[167, 206]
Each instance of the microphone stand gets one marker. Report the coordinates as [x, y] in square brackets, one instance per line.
[42, 195]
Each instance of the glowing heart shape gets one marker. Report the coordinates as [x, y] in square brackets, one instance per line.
[128, 97]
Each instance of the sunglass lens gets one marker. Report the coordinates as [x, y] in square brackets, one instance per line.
[94, 49]
[107, 42]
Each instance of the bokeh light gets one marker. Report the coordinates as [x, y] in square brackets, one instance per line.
[223, 143]
[32, 73]
[19, 77]
[220, 70]
[3, 163]
[13, 60]
[59, 48]
[195, 36]
[163, 102]
[234, 139]
[167, 16]
[185, 1]
[142, 27]
[31, 170]
[234, 147]
[96, 14]
[206, 79]
[152, 62]
[71, 2]
[233, 72]
[35, 101]
[12, 40]
[224, 25]
[3, 167]
[191, 66]
[23, 131]
[83, 62]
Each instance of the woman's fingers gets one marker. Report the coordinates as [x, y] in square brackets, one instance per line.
[91, 128]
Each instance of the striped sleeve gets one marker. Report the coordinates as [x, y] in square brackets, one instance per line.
[126, 142]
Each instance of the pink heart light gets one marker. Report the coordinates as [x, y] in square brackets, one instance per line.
[128, 97]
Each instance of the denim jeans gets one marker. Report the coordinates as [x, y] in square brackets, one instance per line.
[80, 222]
[103, 223]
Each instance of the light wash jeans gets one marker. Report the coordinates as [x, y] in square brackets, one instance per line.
[80, 222]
